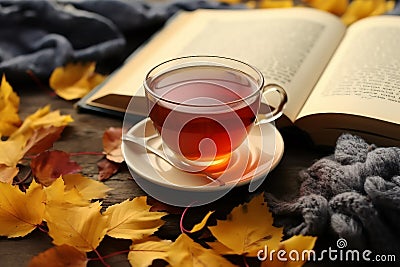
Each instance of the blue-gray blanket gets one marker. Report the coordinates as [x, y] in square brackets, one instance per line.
[37, 36]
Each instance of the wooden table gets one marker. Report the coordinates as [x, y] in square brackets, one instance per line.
[85, 134]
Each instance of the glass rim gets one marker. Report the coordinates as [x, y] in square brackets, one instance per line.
[160, 98]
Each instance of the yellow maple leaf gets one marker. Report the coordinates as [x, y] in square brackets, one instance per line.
[143, 253]
[38, 132]
[20, 212]
[201, 224]
[359, 9]
[9, 104]
[75, 80]
[42, 118]
[132, 219]
[79, 227]
[337, 7]
[275, 3]
[88, 188]
[57, 194]
[297, 250]
[63, 255]
[183, 252]
[11, 152]
[247, 229]
[37, 123]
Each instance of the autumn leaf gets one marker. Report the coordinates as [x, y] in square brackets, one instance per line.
[358, 9]
[42, 118]
[57, 194]
[294, 247]
[20, 212]
[49, 165]
[11, 152]
[183, 252]
[337, 7]
[88, 188]
[79, 227]
[59, 256]
[201, 224]
[75, 80]
[9, 104]
[107, 168]
[132, 219]
[112, 140]
[42, 139]
[143, 253]
[39, 131]
[247, 229]
[275, 4]
[7, 173]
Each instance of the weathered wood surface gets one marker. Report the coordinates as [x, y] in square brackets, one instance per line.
[85, 134]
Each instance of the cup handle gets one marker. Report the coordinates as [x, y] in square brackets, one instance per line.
[278, 111]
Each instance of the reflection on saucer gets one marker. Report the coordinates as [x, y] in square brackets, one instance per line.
[252, 161]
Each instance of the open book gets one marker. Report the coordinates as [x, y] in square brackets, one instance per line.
[338, 79]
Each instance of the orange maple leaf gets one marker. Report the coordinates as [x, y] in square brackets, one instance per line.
[112, 140]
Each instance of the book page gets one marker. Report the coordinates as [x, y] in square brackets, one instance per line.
[291, 47]
[363, 78]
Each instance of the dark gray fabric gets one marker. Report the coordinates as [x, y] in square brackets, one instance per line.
[40, 35]
[355, 193]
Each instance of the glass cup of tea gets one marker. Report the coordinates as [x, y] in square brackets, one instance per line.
[203, 107]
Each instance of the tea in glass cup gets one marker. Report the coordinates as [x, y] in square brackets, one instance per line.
[203, 107]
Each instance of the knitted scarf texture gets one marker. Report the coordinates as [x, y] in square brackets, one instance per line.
[354, 194]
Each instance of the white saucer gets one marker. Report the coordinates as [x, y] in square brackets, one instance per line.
[253, 160]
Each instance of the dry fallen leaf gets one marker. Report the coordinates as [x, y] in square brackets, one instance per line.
[75, 80]
[112, 140]
[42, 139]
[80, 227]
[88, 188]
[183, 252]
[11, 152]
[56, 194]
[49, 165]
[42, 118]
[358, 9]
[59, 256]
[337, 7]
[274, 3]
[7, 173]
[132, 219]
[107, 168]
[201, 224]
[20, 212]
[9, 104]
[38, 132]
[142, 253]
[247, 229]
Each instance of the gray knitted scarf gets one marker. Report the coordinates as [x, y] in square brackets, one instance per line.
[355, 193]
